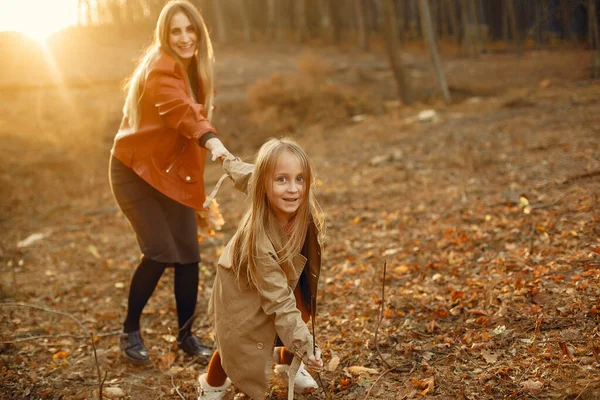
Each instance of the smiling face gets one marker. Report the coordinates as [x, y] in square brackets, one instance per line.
[182, 37]
[286, 188]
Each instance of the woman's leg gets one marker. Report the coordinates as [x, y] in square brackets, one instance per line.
[143, 283]
[186, 293]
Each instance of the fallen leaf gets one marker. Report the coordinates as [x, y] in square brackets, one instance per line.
[94, 251]
[60, 354]
[169, 338]
[333, 364]
[532, 386]
[29, 240]
[489, 357]
[113, 392]
[357, 370]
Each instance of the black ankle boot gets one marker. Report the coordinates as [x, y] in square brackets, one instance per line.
[191, 345]
[133, 348]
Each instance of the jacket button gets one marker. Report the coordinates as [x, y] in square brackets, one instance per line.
[188, 178]
[259, 345]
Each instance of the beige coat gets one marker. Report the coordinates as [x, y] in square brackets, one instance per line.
[248, 319]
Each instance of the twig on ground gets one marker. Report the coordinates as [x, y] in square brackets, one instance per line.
[383, 374]
[314, 350]
[582, 390]
[381, 316]
[100, 379]
[81, 326]
[169, 367]
[583, 175]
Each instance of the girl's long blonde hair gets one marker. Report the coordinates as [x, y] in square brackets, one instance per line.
[259, 219]
[204, 60]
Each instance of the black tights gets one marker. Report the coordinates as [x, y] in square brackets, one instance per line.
[143, 283]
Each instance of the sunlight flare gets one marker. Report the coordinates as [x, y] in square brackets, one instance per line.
[38, 19]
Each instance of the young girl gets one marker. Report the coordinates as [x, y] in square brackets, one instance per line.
[267, 276]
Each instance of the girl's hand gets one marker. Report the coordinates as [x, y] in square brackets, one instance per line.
[217, 149]
[314, 363]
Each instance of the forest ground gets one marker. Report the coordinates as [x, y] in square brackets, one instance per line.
[485, 214]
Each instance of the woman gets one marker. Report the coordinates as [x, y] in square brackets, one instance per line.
[157, 165]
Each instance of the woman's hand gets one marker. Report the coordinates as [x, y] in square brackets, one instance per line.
[217, 149]
[314, 363]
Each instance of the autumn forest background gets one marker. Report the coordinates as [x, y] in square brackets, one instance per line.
[457, 148]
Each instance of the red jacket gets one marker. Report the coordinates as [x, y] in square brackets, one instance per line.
[164, 150]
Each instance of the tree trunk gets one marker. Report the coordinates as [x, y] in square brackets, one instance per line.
[245, 13]
[593, 28]
[467, 42]
[428, 34]
[475, 26]
[565, 11]
[359, 11]
[301, 21]
[272, 23]
[592, 25]
[505, 22]
[539, 26]
[444, 25]
[325, 17]
[451, 7]
[512, 19]
[336, 29]
[220, 21]
[391, 40]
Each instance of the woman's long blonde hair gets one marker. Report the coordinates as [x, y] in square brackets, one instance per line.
[204, 60]
[259, 219]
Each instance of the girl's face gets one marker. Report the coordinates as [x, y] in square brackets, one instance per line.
[286, 188]
[182, 36]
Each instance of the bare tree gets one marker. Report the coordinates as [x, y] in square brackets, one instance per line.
[475, 26]
[512, 20]
[565, 11]
[220, 21]
[301, 20]
[595, 38]
[428, 34]
[451, 10]
[336, 29]
[244, 13]
[391, 40]
[359, 8]
[467, 41]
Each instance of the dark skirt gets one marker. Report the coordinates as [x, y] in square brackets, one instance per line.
[166, 229]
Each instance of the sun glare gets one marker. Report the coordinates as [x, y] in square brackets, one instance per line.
[37, 19]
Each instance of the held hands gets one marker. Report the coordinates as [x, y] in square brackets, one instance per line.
[217, 149]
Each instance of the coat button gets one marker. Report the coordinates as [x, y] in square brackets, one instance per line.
[259, 345]
[188, 178]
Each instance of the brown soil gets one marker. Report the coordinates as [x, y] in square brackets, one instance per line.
[486, 218]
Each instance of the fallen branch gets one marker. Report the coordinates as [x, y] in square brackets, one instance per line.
[25, 339]
[169, 368]
[81, 326]
[381, 316]
[583, 175]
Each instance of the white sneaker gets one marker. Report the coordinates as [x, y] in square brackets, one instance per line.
[207, 392]
[303, 379]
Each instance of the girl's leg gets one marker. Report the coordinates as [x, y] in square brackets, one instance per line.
[186, 293]
[215, 376]
[285, 356]
[144, 281]
[215, 384]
